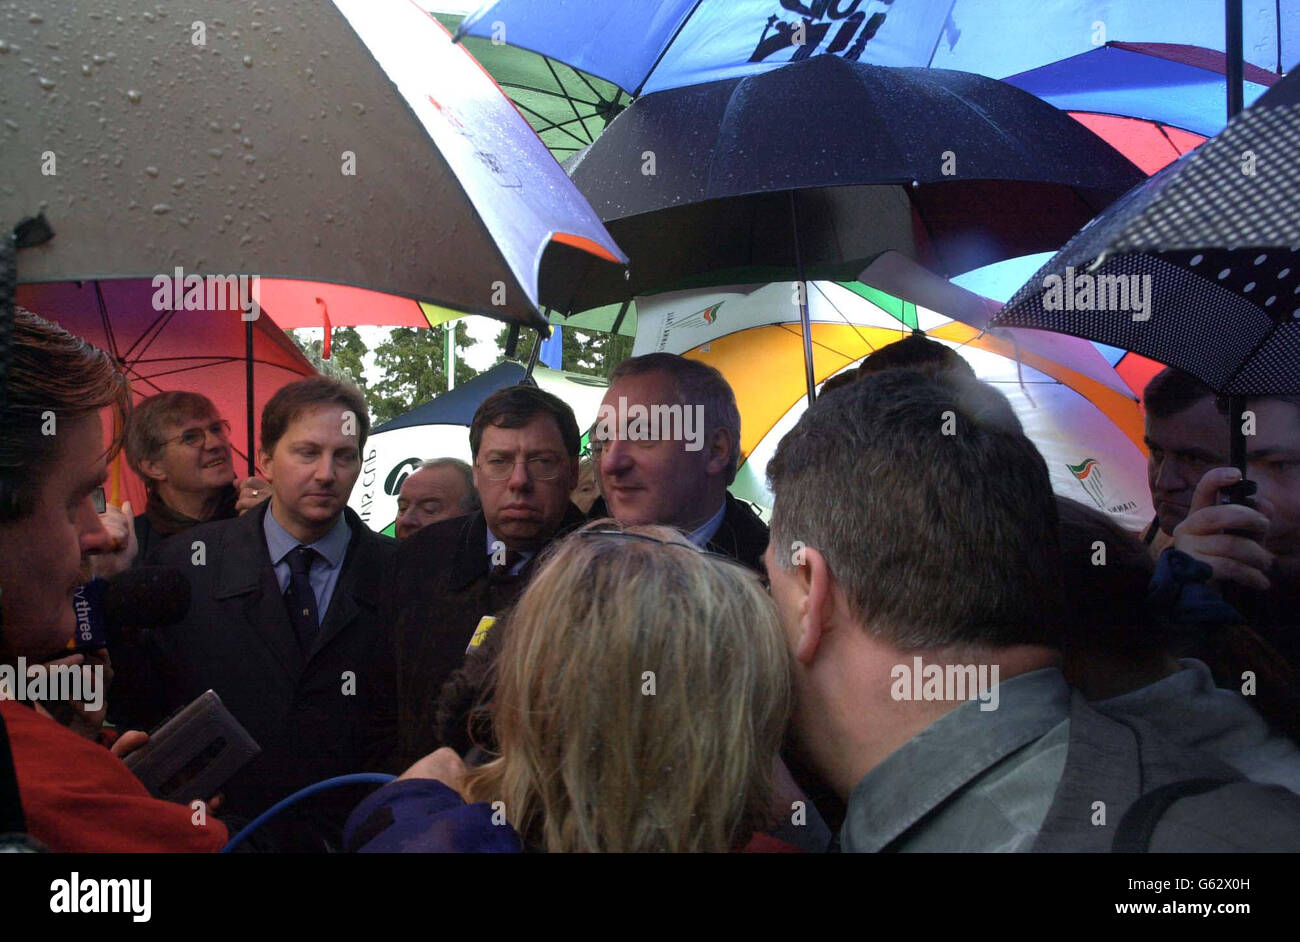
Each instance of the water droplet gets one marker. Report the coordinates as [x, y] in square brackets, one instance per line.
[161, 209]
[178, 183]
[215, 153]
[36, 18]
[4, 47]
[248, 62]
[249, 159]
[361, 109]
[11, 125]
[151, 170]
[97, 59]
[133, 96]
[85, 69]
[45, 83]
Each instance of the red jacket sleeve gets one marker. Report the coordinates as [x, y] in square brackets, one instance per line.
[80, 798]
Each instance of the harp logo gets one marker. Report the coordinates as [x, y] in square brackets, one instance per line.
[1088, 475]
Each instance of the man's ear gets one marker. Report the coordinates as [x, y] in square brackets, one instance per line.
[718, 447]
[153, 470]
[816, 612]
[264, 464]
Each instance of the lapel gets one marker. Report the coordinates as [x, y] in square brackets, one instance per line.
[358, 586]
[469, 553]
[246, 580]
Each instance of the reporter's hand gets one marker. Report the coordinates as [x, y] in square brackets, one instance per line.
[78, 715]
[120, 524]
[444, 765]
[129, 742]
[1235, 557]
[253, 492]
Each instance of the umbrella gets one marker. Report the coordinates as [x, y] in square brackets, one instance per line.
[1082, 417]
[191, 351]
[440, 428]
[566, 107]
[701, 179]
[647, 47]
[349, 142]
[1176, 85]
[1211, 247]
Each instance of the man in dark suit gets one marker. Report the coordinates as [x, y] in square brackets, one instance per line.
[284, 619]
[450, 580]
[666, 445]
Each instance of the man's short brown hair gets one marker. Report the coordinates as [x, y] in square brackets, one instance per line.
[515, 406]
[697, 384]
[147, 430]
[934, 511]
[297, 397]
[52, 373]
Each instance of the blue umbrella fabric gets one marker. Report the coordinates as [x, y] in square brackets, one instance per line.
[1178, 85]
[703, 179]
[1199, 267]
[645, 47]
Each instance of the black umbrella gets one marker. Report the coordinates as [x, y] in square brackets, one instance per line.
[813, 169]
[1199, 267]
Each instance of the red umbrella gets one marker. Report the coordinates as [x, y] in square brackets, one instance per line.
[194, 351]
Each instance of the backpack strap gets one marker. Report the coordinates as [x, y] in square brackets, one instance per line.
[1133, 836]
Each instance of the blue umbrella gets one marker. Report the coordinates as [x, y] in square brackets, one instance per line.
[645, 47]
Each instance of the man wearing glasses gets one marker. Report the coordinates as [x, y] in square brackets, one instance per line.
[453, 577]
[180, 447]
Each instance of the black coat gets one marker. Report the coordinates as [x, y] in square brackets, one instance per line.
[238, 640]
[438, 590]
[742, 535]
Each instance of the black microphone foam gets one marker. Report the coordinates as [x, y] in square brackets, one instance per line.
[146, 597]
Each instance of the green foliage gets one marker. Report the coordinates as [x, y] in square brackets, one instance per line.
[413, 363]
[346, 352]
[593, 353]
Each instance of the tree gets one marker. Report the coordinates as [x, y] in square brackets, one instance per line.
[591, 352]
[413, 363]
[347, 351]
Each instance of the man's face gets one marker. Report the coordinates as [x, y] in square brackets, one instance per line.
[313, 468]
[521, 511]
[646, 481]
[203, 467]
[43, 556]
[427, 496]
[1182, 448]
[1273, 455]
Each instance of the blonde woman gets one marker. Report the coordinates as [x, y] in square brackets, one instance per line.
[642, 691]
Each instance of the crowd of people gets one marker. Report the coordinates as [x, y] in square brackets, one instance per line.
[928, 651]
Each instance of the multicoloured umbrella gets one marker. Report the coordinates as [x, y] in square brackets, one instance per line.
[1081, 415]
[192, 351]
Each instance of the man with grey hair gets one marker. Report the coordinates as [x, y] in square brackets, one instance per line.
[915, 566]
[666, 445]
[437, 489]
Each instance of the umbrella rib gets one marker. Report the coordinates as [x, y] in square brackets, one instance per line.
[221, 362]
[106, 322]
[155, 329]
[1250, 356]
[557, 127]
[551, 94]
[551, 68]
[668, 45]
[837, 310]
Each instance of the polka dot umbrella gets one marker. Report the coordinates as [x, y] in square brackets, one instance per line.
[1199, 267]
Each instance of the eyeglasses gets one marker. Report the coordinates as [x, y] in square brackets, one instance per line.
[196, 437]
[540, 468]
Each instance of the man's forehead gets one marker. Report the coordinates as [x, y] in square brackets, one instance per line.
[192, 420]
[433, 480]
[643, 388]
[540, 431]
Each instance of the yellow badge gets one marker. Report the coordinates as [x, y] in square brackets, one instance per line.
[481, 631]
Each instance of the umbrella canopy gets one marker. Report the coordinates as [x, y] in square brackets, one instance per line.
[191, 351]
[1082, 417]
[349, 142]
[440, 428]
[293, 304]
[702, 180]
[1181, 86]
[646, 47]
[1199, 267]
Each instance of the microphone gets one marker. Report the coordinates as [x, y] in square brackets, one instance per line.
[135, 601]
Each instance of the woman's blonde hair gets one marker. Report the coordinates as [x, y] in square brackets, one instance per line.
[643, 689]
